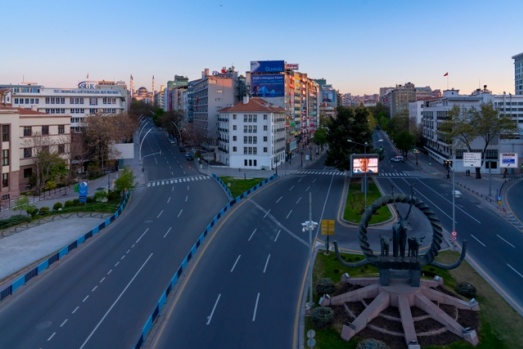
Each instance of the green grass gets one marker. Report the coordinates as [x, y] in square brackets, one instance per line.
[355, 204]
[501, 325]
[239, 186]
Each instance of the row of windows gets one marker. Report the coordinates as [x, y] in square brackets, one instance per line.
[28, 152]
[27, 101]
[26, 89]
[55, 111]
[250, 150]
[108, 100]
[28, 130]
[54, 100]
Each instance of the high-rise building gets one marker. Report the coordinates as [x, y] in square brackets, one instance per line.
[518, 73]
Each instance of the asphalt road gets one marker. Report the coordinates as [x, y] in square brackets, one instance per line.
[101, 295]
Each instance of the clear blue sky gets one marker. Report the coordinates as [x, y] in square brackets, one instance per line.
[357, 45]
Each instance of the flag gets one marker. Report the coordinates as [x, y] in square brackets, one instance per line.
[446, 74]
[87, 75]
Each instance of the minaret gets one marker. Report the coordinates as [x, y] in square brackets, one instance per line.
[153, 85]
[131, 85]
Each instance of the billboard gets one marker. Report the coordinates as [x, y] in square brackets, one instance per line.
[508, 160]
[328, 97]
[267, 66]
[271, 85]
[361, 164]
[471, 159]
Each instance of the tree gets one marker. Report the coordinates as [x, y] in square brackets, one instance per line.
[126, 181]
[320, 137]
[349, 124]
[398, 123]
[404, 141]
[464, 125]
[171, 121]
[21, 204]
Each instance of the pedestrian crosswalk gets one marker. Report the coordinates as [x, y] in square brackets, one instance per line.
[342, 173]
[320, 172]
[161, 182]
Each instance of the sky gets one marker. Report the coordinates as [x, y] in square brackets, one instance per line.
[358, 46]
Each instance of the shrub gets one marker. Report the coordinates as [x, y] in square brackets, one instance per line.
[372, 343]
[90, 200]
[43, 210]
[57, 206]
[14, 220]
[69, 203]
[466, 289]
[100, 195]
[325, 286]
[32, 211]
[113, 196]
[76, 202]
[322, 317]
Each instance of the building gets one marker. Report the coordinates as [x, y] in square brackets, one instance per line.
[252, 134]
[400, 97]
[89, 98]
[208, 95]
[143, 95]
[25, 132]
[435, 112]
[518, 73]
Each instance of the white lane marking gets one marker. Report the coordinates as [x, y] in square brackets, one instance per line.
[75, 309]
[298, 200]
[132, 246]
[508, 243]
[141, 236]
[129, 250]
[114, 303]
[159, 214]
[63, 323]
[209, 318]
[179, 214]
[172, 189]
[266, 214]
[276, 238]
[186, 198]
[308, 188]
[281, 197]
[86, 298]
[475, 238]
[110, 271]
[122, 257]
[168, 230]
[255, 307]
[254, 231]
[169, 199]
[515, 271]
[102, 279]
[299, 180]
[94, 288]
[117, 264]
[51, 337]
[237, 259]
[187, 187]
[288, 214]
[314, 180]
[292, 187]
[266, 263]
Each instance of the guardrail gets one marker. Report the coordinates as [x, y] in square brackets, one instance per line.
[174, 280]
[60, 254]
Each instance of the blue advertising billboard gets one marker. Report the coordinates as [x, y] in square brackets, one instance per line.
[267, 66]
[272, 85]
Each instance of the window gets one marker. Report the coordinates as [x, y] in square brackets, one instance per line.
[234, 138]
[61, 129]
[265, 127]
[28, 153]
[264, 116]
[234, 149]
[28, 172]
[93, 101]
[61, 148]
[5, 133]
[45, 148]
[264, 149]
[265, 138]
[234, 116]
[28, 132]
[5, 179]
[234, 127]
[45, 129]
[5, 157]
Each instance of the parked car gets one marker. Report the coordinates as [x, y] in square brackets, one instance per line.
[397, 158]
[189, 156]
[171, 141]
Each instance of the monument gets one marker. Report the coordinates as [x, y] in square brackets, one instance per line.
[400, 284]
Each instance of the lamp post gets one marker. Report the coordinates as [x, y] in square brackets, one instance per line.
[366, 170]
[310, 225]
[447, 165]
[416, 152]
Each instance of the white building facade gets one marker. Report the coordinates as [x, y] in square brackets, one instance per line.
[252, 135]
[89, 98]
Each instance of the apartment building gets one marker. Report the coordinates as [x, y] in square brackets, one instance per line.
[25, 132]
[252, 134]
[434, 112]
[518, 73]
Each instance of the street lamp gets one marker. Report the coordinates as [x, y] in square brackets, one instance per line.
[416, 152]
[310, 225]
[448, 163]
[366, 170]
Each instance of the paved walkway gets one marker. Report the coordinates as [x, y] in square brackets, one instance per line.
[34, 243]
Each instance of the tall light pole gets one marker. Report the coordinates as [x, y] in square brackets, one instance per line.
[310, 225]
[141, 143]
[366, 170]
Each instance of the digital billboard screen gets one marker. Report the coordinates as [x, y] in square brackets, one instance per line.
[267, 66]
[272, 85]
[362, 164]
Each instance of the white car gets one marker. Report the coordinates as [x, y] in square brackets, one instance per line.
[397, 158]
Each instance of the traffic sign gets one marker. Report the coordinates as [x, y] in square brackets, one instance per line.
[327, 226]
[454, 235]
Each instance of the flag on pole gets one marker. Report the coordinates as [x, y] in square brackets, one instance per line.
[446, 74]
[87, 75]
